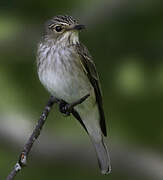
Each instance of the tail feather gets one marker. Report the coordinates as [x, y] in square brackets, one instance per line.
[103, 156]
[90, 119]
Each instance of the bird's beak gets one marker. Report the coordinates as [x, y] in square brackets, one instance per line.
[79, 27]
[76, 27]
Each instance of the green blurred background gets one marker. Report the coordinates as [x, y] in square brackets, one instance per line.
[126, 40]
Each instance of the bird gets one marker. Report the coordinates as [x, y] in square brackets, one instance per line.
[66, 69]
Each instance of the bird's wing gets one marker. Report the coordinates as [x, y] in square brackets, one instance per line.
[90, 69]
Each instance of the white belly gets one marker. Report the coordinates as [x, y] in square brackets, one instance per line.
[64, 78]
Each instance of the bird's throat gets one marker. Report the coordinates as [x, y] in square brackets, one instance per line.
[69, 38]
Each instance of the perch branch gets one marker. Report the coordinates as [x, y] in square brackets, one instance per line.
[27, 147]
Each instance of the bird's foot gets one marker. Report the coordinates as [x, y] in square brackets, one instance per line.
[67, 108]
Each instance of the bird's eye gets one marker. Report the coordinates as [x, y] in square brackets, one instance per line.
[58, 28]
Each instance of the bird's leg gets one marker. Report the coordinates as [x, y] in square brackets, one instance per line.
[67, 108]
[64, 107]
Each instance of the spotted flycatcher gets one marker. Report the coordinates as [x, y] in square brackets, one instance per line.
[67, 71]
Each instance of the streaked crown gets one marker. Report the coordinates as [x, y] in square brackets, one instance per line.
[61, 19]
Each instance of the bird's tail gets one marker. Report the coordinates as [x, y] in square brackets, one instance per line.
[102, 155]
[93, 128]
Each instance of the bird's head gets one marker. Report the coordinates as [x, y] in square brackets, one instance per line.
[63, 29]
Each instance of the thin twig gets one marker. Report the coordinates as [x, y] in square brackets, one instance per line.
[72, 105]
[27, 147]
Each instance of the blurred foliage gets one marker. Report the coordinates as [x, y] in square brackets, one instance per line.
[128, 53]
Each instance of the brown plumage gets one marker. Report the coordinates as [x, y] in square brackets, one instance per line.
[68, 72]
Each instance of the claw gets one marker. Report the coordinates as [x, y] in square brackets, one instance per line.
[64, 108]
[67, 108]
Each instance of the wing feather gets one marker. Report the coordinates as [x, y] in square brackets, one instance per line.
[90, 69]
